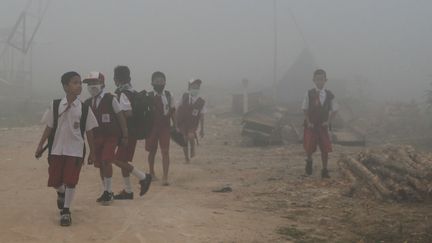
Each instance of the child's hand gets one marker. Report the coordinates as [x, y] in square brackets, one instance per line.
[92, 158]
[38, 152]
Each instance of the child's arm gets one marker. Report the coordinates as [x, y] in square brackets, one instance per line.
[331, 118]
[123, 126]
[90, 140]
[45, 135]
[202, 126]
[173, 119]
[308, 123]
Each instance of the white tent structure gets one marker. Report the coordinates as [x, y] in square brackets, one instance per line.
[292, 87]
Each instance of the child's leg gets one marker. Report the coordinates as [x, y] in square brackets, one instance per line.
[71, 171]
[151, 161]
[325, 147]
[101, 174]
[164, 142]
[309, 144]
[186, 151]
[151, 145]
[107, 176]
[69, 195]
[165, 165]
[126, 168]
[60, 196]
[324, 159]
[192, 147]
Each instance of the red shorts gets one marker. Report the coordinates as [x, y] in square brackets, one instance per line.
[159, 136]
[126, 153]
[105, 149]
[63, 170]
[317, 137]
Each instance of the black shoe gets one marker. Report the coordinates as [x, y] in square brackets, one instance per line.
[60, 200]
[106, 198]
[123, 195]
[145, 184]
[325, 174]
[65, 218]
[308, 168]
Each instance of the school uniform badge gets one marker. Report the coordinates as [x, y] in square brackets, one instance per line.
[106, 118]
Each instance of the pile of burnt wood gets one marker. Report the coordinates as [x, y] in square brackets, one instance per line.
[397, 173]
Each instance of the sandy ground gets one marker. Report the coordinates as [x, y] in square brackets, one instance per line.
[271, 201]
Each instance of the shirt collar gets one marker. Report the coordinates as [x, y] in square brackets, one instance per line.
[161, 94]
[101, 95]
[319, 90]
[74, 103]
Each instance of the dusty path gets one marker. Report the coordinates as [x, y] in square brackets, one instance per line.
[270, 201]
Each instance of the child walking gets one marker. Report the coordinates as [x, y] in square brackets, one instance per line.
[67, 120]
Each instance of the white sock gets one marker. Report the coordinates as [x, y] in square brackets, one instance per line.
[127, 184]
[108, 184]
[69, 194]
[141, 175]
[60, 189]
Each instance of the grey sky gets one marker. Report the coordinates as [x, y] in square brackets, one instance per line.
[222, 41]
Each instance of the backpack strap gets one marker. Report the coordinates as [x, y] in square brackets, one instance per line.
[169, 98]
[84, 113]
[56, 104]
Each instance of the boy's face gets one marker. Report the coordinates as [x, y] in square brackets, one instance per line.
[118, 81]
[159, 81]
[74, 86]
[320, 80]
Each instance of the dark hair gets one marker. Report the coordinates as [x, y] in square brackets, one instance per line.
[122, 73]
[66, 77]
[158, 74]
[320, 72]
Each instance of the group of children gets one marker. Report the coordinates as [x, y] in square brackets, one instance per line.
[107, 120]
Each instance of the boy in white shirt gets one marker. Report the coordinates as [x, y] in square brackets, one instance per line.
[125, 153]
[319, 108]
[66, 122]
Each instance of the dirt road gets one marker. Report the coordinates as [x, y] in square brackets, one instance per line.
[270, 200]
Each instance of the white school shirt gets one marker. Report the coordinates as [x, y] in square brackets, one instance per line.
[322, 96]
[192, 100]
[67, 139]
[115, 104]
[125, 104]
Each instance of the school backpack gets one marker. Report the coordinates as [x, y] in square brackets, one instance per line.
[140, 124]
[84, 113]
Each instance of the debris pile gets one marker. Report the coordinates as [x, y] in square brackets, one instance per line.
[397, 173]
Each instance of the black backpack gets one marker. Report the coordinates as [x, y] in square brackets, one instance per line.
[84, 113]
[141, 122]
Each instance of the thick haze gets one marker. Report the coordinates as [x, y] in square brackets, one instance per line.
[222, 41]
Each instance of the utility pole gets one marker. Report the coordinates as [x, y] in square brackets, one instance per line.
[275, 46]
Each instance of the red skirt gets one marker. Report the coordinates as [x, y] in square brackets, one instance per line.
[317, 137]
